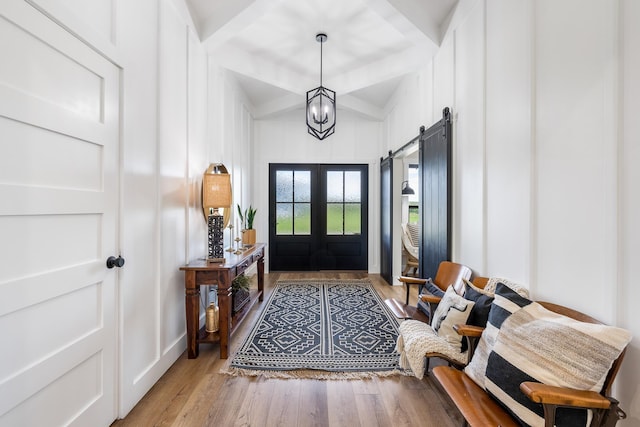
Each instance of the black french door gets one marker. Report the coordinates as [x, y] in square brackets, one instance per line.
[318, 217]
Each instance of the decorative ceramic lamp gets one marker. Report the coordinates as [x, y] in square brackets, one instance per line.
[216, 195]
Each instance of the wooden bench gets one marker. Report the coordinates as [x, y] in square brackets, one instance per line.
[449, 273]
[479, 409]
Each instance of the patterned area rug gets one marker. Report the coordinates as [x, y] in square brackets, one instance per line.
[340, 327]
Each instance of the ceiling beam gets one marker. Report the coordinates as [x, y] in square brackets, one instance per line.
[265, 69]
[419, 29]
[231, 18]
[425, 16]
[370, 111]
[384, 69]
[277, 106]
[369, 74]
[293, 102]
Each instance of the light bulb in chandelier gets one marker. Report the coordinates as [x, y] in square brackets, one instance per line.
[320, 111]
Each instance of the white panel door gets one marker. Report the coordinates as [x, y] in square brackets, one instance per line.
[59, 136]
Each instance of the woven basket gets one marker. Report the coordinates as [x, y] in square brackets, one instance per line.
[239, 298]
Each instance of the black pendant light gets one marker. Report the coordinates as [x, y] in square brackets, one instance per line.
[406, 190]
[321, 105]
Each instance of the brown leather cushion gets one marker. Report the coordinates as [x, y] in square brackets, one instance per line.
[475, 405]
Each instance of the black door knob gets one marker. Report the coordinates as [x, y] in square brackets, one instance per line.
[115, 262]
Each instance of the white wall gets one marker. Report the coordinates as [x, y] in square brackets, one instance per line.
[469, 142]
[139, 175]
[165, 151]
[508, 140]
[628, 228]
[285, 140]
[410, 107]
[545, 102]
[231, 135]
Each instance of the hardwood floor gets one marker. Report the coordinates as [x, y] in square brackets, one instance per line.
[194, 393]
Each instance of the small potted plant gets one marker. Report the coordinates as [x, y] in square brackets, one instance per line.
[246, 220]
[240, 292]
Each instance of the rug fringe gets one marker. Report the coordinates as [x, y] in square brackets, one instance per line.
[296, 281]
[313, 374]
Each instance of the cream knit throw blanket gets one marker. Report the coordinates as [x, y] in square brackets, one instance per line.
[415, 340]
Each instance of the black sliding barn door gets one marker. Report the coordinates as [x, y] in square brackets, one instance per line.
[386, 218]
[435, 200]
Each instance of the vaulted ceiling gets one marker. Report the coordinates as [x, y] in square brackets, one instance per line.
[271, 47]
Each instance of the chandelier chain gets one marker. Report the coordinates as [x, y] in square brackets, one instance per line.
[321, 43]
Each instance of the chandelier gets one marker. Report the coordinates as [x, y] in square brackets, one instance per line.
[321, 105]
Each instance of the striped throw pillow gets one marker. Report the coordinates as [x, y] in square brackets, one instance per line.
[535, 344]
[505, 302]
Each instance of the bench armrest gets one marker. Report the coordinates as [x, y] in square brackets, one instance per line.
[562, 396]
[433, 302]
[412, 280]
[468, 330]
[606, 411]
[472, 335]
[431, 299]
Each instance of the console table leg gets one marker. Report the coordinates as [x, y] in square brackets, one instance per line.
[192, 311]
[224, 302]
[261, 279]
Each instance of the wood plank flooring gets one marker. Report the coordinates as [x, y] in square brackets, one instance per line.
[194, 393]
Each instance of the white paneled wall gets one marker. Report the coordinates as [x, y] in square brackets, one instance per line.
[626, 275]
[405, 111]
[576, 152]
[165, 153]
[231, 132]
[172, 182]
[140, 222]
[468, 149]
[545, 102]
[508, 139]
[198, 145]
[443, 79]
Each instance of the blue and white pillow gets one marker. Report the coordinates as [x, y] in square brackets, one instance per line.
[452, 310]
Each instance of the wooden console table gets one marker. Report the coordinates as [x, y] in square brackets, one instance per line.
[201, 272]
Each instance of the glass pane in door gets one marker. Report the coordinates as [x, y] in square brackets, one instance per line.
[352, 186]
[352, 223]
[335, 215]
[293, 202]
[335, 186]
[344, 208]
[302, 218]
[284, 186]
[302, 186]
[284, 218]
